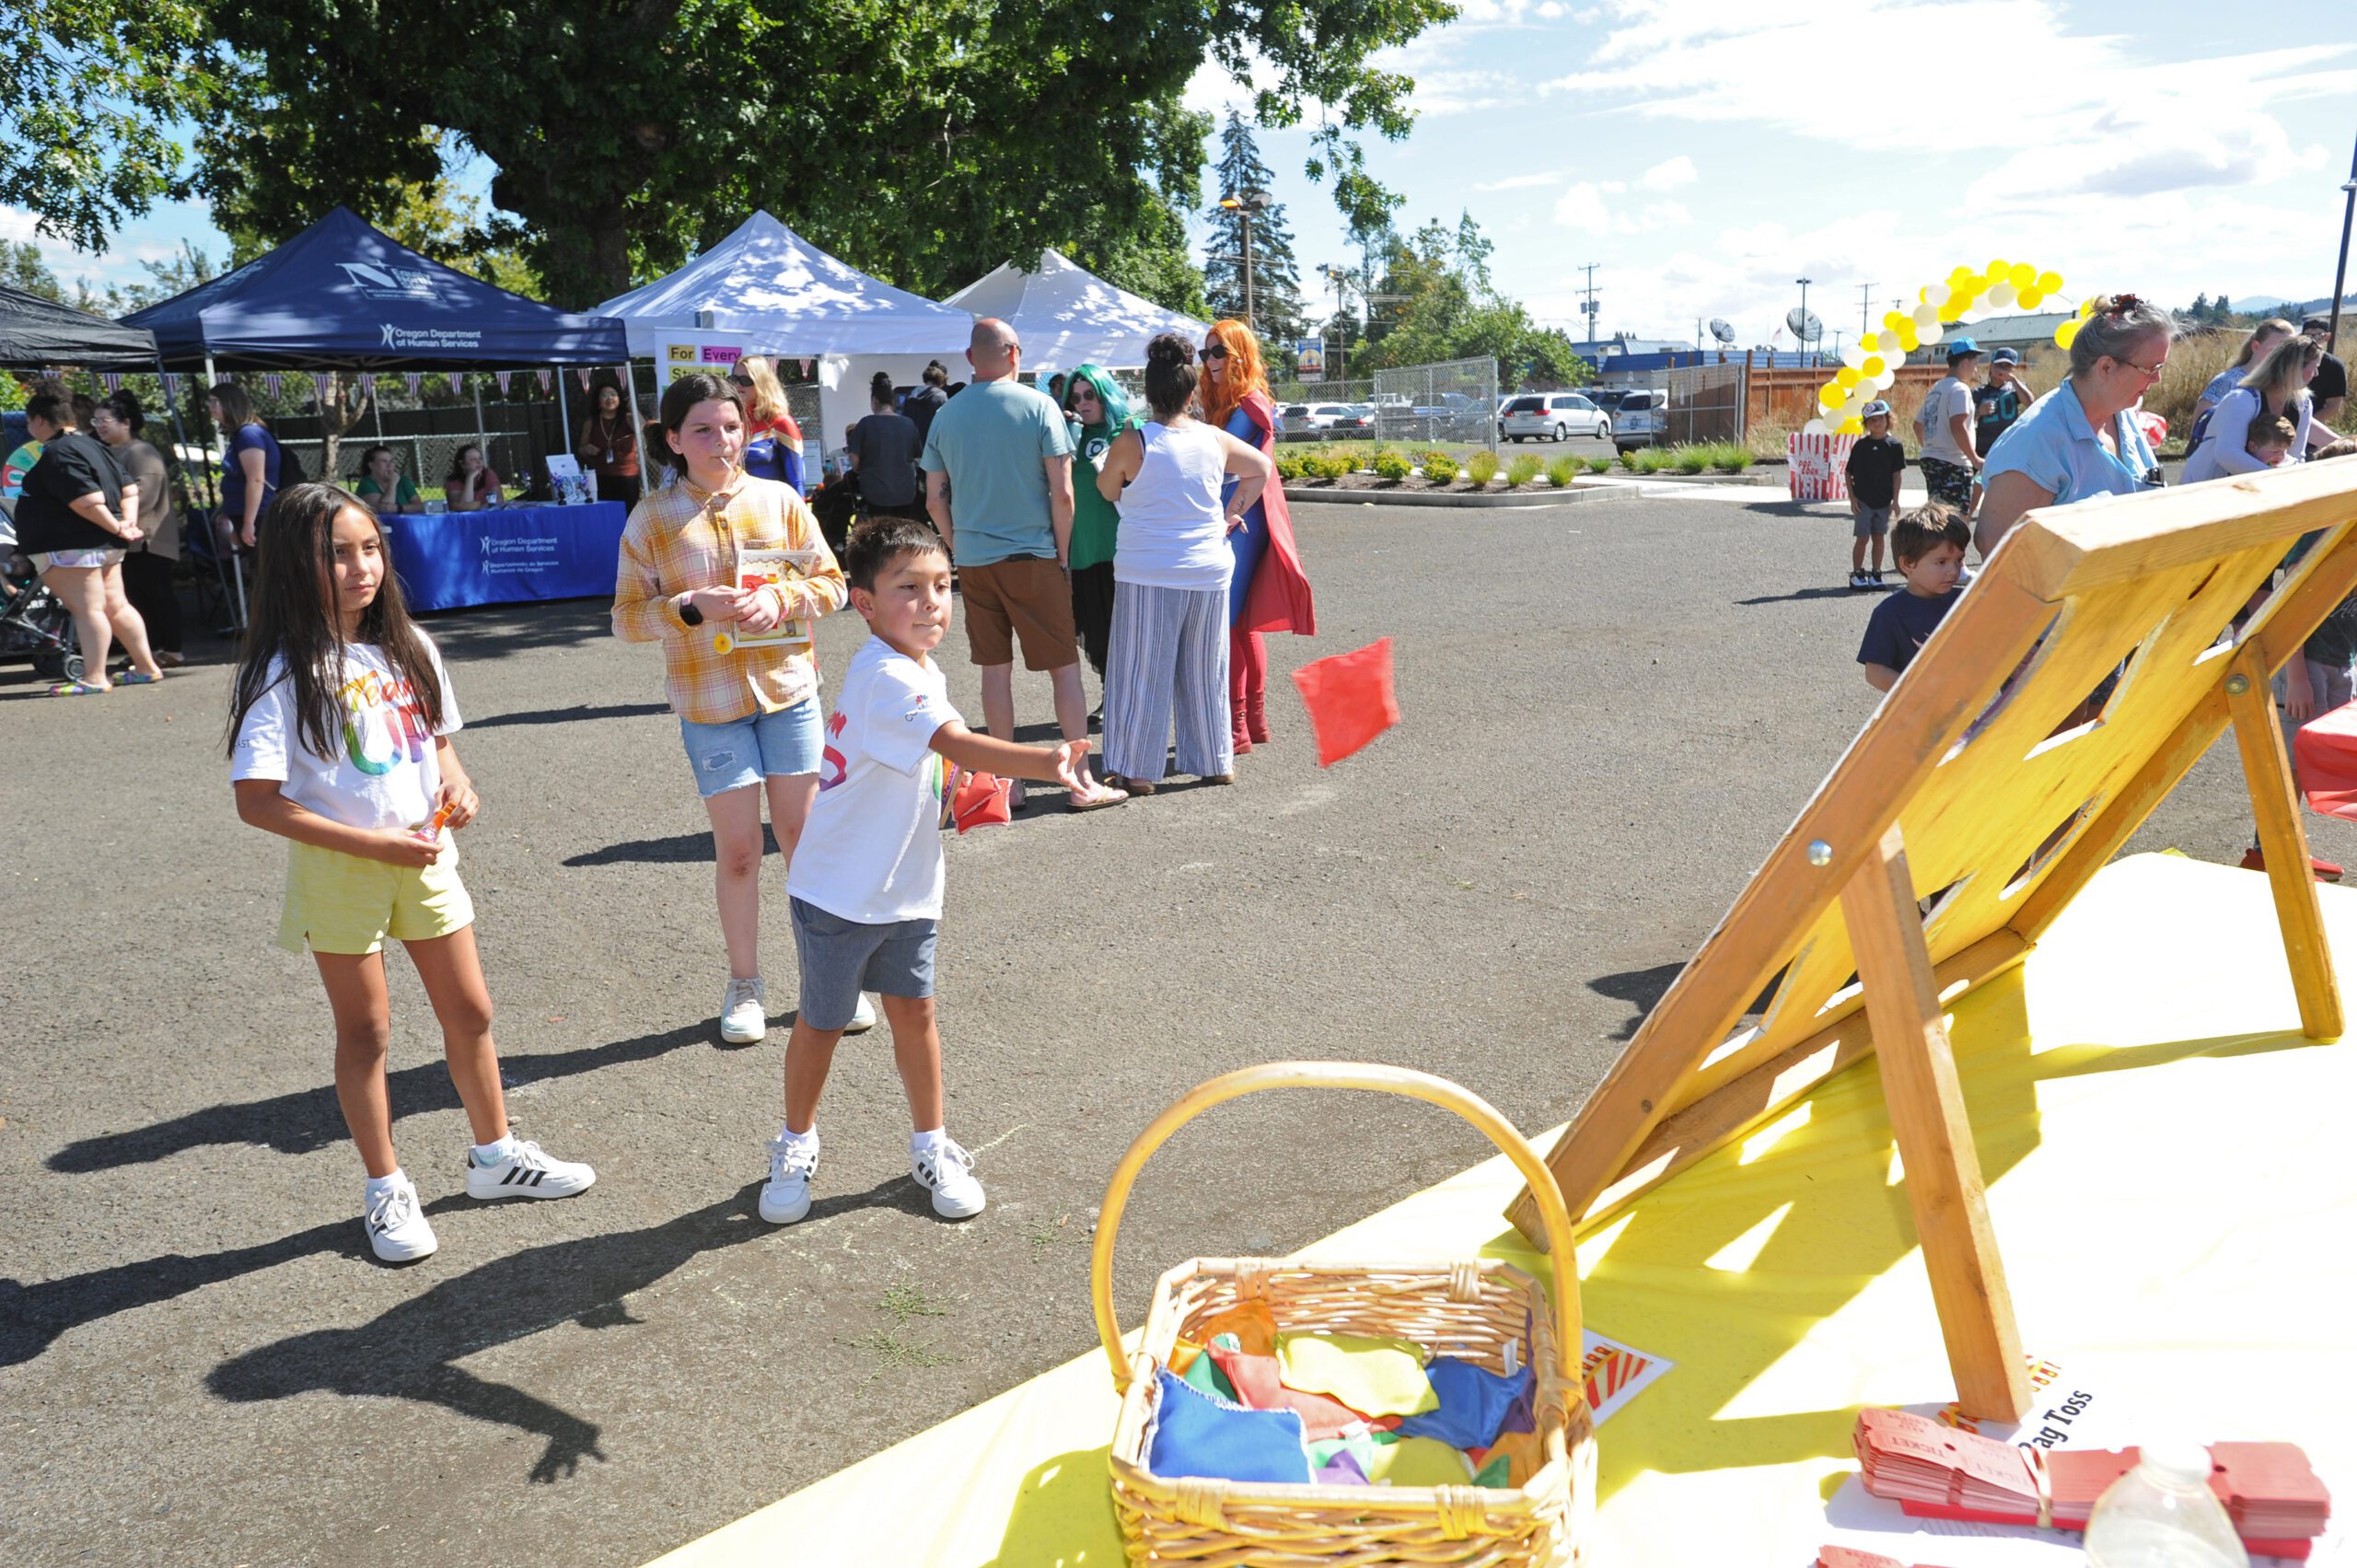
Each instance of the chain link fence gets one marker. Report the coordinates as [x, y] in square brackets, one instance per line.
[1456, 401]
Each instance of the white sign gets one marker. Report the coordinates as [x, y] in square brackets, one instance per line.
[1310, 359]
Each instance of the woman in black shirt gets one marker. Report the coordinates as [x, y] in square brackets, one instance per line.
[78, 511]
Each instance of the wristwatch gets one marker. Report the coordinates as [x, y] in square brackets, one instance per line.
[689, 614]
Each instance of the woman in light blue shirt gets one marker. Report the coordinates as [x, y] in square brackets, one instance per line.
[2081, 439]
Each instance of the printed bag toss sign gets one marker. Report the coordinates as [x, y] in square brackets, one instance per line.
[1310, 359]
[1817, 465]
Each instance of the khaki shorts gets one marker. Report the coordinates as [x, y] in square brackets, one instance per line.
[341, 903]
[1023, 596]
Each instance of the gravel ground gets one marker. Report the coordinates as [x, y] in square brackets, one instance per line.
[1611, 713]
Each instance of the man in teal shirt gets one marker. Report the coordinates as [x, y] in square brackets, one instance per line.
[998, 486]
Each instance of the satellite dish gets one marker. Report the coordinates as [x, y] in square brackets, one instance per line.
[1720, 331]
[1804, 324]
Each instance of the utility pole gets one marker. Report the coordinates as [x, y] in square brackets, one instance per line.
[1866, 309]
[2341, 272]
[1588, 306]
[1803, 328]
[1244, 206]
[1338, 276]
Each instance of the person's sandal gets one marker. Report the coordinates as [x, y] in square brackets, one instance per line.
[1128, 786]
[78, 689]
[1097, 798]
[1219, 778]
[132, 678]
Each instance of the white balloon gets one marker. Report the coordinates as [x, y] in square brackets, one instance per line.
[2000, 294]
[1854, 357]
[1813, 427]
[1888, 379]
[1936, 296]
[1927, 319]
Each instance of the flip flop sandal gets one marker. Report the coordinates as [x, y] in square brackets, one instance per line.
[78, 689]
[1098, 797]
[132, 678]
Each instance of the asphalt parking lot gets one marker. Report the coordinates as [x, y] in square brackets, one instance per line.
[1611, 710]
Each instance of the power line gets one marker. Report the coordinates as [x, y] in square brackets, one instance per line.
[1589, 307]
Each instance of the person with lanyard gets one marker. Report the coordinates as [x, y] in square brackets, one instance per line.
[2081, 439]
[249, 471]
[1999, 402]
[608, 447]
[383, 486]
[773, 439]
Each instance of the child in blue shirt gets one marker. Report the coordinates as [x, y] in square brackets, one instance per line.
[1928, 544]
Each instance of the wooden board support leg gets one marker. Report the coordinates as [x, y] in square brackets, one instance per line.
[1934, 1136]
[2284, 841]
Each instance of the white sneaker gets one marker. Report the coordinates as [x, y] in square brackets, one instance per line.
[786, 1197]
[527, 1172]
[744, 1012]
[948, 1172]
[862, 1017]
[396, 1225]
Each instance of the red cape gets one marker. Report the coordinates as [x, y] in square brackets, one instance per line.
[1278, 599]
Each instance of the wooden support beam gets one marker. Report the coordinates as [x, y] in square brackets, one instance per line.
[1934, 1136]
[2275, 807]
[1735, 1107]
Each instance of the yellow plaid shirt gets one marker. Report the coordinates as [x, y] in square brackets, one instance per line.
[681, 538]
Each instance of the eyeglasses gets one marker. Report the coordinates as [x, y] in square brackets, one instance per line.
[1214, 351]
[2151, 372]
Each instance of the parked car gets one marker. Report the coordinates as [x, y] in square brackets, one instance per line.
[1641, 420]
[1311, 422]
[1356, 420]
[1553, 416]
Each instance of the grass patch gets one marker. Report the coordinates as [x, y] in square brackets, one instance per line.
[1648, 459]
[1525, 468]
[1599, 465]
[1481, 467]
[1562, 471]
[895, 1349]
[1689, 460]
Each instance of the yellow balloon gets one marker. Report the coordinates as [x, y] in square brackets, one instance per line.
[1831, 395]
[1870, 342]
[2022, 275]
[1853, 426]
[1845, 378]
[1874, 367]
[2049, 283]
[1998, 269]
[1896, 321]
[1959, 275]
[1909, 340]
[2064, 334]
[2087, 307]
[2029, 299]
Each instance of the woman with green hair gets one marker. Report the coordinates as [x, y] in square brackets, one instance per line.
[1099, 412]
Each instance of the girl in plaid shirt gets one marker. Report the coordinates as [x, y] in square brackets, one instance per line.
[689, 578]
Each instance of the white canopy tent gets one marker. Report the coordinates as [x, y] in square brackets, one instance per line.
[1065, 315]
[767, 290]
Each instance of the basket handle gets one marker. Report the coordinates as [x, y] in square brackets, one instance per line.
[1382, 1079]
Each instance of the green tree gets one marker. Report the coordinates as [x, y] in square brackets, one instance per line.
[925, 144]
[1442, 307]
[21, 267]
[1275, 291]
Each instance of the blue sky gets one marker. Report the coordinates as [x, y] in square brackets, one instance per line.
[1706, 153]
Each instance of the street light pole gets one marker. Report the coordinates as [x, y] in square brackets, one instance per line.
[1244, 206]
[2340, 271]
[1803, 326]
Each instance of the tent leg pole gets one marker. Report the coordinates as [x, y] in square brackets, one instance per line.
[179, 442]
[564, 413]
[637, 427]
[236, 563]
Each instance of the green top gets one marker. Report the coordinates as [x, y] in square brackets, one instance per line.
[403, 491]
[1094, 518]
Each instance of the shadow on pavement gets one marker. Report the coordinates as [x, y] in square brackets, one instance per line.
[412, 1350]
[579, 712]
[308, 1119]
[1835, 592]
[502, 631]
[678, 848]
[1640, 989]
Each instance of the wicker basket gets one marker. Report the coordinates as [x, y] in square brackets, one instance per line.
[1476, 1309]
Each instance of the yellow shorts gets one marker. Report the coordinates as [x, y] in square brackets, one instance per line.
[341, 903]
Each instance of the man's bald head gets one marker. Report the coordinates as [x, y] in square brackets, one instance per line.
[992, 351]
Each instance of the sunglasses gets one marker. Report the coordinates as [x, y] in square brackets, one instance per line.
[740, 380]
[1214, 351]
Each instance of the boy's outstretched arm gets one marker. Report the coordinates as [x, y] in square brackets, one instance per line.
[1881, 676]
[989, 754]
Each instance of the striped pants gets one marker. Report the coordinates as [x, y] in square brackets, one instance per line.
[1169, 651]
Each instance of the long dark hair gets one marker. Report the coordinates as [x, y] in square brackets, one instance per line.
[680, 399]
[289, 620]
[459, 462]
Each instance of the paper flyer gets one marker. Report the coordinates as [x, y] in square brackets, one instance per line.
[1615, 1373]
[759, 568]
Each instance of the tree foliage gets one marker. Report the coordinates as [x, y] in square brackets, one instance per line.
[1442, 307]
[1275, 292]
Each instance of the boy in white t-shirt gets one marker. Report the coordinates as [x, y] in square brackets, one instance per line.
[866, 876]
[1944, 430]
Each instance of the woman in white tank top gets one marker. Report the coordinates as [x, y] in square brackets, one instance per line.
[1171, 563]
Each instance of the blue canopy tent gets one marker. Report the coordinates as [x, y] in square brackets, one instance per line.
[342, 296]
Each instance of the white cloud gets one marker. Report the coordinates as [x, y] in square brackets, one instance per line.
[1459, 92]
[1583, 209]
[1669, 175]
[1521, 181]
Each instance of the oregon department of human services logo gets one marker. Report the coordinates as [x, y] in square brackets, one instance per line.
[398, 338]
[375, 281]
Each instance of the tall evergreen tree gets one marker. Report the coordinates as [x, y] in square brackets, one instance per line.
[1276, 283]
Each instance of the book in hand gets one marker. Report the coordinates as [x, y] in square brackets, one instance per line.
[760, 569]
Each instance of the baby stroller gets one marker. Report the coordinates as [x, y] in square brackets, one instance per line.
[34, 622]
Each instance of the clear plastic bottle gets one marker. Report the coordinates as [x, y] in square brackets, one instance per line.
[2162, 1515]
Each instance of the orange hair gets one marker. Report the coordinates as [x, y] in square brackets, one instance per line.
[1244, 376]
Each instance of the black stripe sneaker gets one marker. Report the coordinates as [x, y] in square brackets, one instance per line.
[398, 1232]
[527, 1172]
[948, 1172]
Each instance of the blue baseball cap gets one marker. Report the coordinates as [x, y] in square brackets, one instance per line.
[1874, 410]
[1961, 347]
[2004, 356]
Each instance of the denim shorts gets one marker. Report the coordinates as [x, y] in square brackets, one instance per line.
[758, 745]
[840, 958]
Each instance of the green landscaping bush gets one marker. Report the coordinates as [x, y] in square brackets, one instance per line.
[1331, 465]
[1599, 465]
[1293, 464]
[1563, 470]
[1730, 456]
[1650, 459]
[1692, 459]
[1440, 468]
[1481, 467]
[1525, 468]
[1628, 455]
[1392, 464]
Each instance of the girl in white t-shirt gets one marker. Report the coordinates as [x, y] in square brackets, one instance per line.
[340, 724]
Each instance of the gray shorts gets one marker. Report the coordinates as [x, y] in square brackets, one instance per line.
[1872, 521]
[842, 958]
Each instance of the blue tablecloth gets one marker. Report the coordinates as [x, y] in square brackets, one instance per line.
[506, 555]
